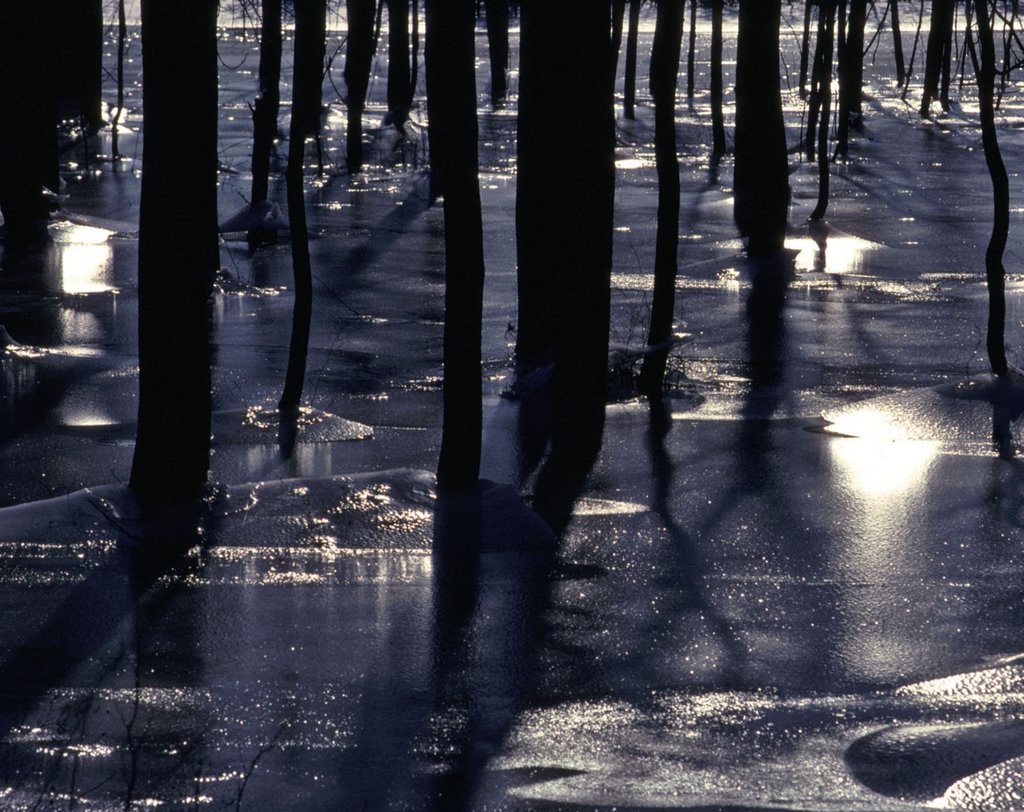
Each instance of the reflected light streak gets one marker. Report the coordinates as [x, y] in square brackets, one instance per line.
[876, 455]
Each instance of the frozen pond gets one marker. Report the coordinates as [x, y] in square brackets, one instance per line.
[798, 586]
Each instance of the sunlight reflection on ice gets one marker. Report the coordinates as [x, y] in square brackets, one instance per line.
[876, 455]
[85, 258]
[834, 254]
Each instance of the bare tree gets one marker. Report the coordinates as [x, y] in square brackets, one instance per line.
[668, 34]
[178, 251]
[995, 274]
[451, 98]
[360, 46]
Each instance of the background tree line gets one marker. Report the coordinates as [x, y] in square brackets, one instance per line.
[565, 167]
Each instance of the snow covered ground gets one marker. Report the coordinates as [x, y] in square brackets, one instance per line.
[798, 586]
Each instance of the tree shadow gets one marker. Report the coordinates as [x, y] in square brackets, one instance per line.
[687, 565]
[141, 574]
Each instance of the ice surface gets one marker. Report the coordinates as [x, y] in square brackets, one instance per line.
[807, 565]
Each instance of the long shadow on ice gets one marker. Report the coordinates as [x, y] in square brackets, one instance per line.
[149, 544]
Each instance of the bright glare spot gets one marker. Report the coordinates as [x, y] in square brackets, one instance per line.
[837, 255]
[877, 456]
[629, 163]
[85, 258]
[84, 268]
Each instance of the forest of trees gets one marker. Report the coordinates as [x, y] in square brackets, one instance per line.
[565, 169]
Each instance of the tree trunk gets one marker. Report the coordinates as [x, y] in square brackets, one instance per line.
[995, 274]
[565, 191]
[268, 101]
[947, 60]
[28, 134]
[265, 111]
[414, 56]
[691, 50]
[897, 41]
[632, 37]
[451, 96]
[718, 147]
[851, 75]
[805, 47]
[940, 24]
[497, 48]
[761, 178]
[618, 15]
[122, 37]
[358, 62]
[77, 47]
[308, 73]
[308, 14]
[399, 92]
[178, 251]
[668, 35]
[823, 68]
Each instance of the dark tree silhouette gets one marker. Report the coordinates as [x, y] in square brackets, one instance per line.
[400, 89]
[897, 41]
[28, 135]
[718, 147]
[940, 37]
[360, 46]
[565, 190]
[78, 48]
[629, 77]
[761, 177]
[178, 251]
[668, 35]
[309, 39]
[691, 50]
[266, 107]
[821, 95]
[805, 47]
[122, 37]
[451, 98]
[308, 71]
[618, 17]
[497, 48]
[851, 76]
[995, 274]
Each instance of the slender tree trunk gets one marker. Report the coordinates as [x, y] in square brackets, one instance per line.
[718, 147]
[266, 108]
[762, 167]
[618, 17]
[178, 251]
[913, 50]
[358, 62]
[941, 22]
[897, 41]
[565, 190]
[399, 93]
[851, 76]
[632, 37]
[826, 39]
[985, 70]
[668, 35]
[122, 37]
[691, 50]
[947, 60]
[308, 13]
[414, 36]
[28, 135]
[805, 47]
[497, 48]
[451, 96]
